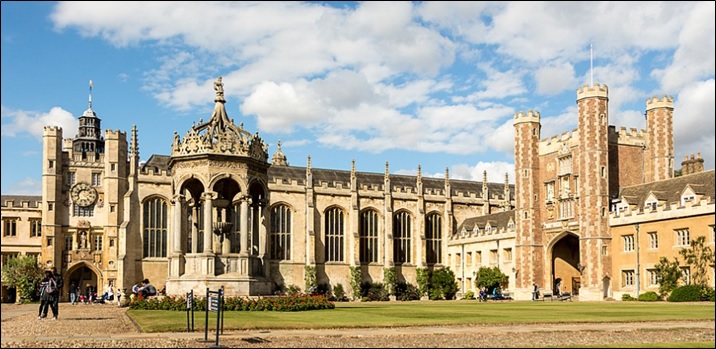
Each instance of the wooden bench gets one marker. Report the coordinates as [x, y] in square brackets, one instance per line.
[547, 295]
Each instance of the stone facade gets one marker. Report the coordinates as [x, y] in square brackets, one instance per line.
[217, 213]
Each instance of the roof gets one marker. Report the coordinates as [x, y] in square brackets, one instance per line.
[496, 220]
[34, 200]
[670, 190]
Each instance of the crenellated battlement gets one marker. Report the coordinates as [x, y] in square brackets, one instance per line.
[153, 171]
[531, 116]
[114, 135]
[52, 131]
[664, 102]
[595, 91]
[554, 143]
[662, 211]
[627, 136]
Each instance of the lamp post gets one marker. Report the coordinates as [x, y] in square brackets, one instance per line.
[638, 276]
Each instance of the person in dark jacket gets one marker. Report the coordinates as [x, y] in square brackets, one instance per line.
[55, 302]
[47, 298]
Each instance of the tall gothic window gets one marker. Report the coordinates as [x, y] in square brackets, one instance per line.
[334, 235]
[155, 228]
[401, 237]
[280, 232]
[369, 236]
[433, 235]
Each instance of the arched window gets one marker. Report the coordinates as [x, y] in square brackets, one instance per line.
[433, 235]
[280, 232]
[401, 237]
[155, 228]
[369, 236]
[334, 235]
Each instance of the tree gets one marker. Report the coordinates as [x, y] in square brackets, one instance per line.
[700, 258]
[668, 274]
[490, 278]
[23, 273]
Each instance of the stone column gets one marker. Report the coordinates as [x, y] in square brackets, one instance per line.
[244, 223]
[194, 229]
[225, 236]
[208, 209]
[178, 207]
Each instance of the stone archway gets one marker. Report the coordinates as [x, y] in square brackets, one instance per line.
[564, 264]
[84, 276]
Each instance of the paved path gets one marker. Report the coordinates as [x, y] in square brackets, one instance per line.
[108, 326]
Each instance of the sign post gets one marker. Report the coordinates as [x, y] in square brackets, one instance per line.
[190, 309]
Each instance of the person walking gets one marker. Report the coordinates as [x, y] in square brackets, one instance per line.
[73, 293]
[48, 293]
[56, 299]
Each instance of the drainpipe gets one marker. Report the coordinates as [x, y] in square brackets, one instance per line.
[638, 277]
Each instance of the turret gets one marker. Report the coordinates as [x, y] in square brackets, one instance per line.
[659, 157]
[593, 202]
[528, 188]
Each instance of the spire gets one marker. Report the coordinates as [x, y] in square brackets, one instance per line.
[447, 176]
[387, 172]
[134, 146]
[353, 168]
[420, 174]
[89, 102]
[507, 182]
[308, 164]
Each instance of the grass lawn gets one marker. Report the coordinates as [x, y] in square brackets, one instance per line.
[423, 313]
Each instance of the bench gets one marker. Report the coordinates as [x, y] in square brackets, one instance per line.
[565, 296]
[547, 295]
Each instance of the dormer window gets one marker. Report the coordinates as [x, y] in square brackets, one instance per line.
[687, 198]
[488, 230]
[650, 205]
[511, 226]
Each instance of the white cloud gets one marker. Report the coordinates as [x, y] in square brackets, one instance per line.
[19, 122]
[495, 172]
[694, 58]
[555, 78]
[694, 128]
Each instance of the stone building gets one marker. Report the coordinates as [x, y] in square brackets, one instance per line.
[216, 212]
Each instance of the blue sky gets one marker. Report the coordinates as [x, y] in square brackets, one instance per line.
[410, 83]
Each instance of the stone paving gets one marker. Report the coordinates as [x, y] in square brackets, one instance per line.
[107, 326]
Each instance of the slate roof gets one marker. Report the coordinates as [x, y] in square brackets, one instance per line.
[670, 190]
[17, 200]
[497, 220]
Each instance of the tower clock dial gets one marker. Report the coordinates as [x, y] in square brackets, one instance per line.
[83, 194]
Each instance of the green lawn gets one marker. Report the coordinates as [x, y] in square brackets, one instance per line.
[418, 313]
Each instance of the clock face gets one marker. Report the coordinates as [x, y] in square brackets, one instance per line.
[83, 194]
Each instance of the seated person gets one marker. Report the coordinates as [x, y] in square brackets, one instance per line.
[147, 289]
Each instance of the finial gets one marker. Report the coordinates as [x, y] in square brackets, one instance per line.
[420, 172]
[279, 144]
[484, 177]
[353, 166]
[241, 126]
[447, 176]
[308, 165]
[219, 88]
[135, 143]
[89, 103]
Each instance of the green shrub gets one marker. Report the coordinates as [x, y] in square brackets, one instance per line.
[283, 303]
[443, 281]
[627, 297]
[372, 292]
[293, 290]
[339, 293]
[406, 292]
[686, 293]
[650, 296]
[469, 295]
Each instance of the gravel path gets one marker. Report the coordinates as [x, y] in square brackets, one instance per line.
[106, 326]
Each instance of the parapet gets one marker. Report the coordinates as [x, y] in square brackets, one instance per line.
[663, 102]
[115, 134]
[630, 136]
[595, 91]
[531, 116]
[52, 131]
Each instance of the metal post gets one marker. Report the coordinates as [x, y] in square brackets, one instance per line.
[206, 324]
[638, 277]
[220, 295]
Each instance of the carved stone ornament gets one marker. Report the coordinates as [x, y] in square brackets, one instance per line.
[220, 135]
